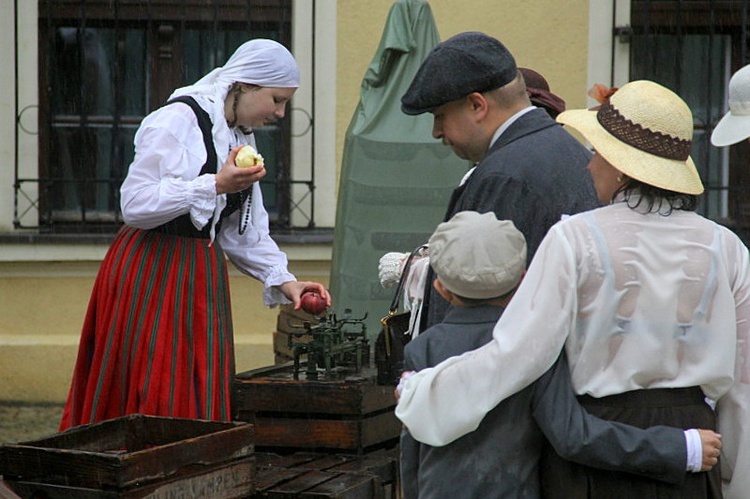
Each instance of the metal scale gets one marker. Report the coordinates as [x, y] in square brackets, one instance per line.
[332, 346]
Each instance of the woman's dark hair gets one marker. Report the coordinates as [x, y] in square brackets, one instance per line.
[653, 198]
[235, 91]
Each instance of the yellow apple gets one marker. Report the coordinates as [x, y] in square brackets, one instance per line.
[248, 156]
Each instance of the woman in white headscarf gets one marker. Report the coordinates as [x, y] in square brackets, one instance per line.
[157, 338]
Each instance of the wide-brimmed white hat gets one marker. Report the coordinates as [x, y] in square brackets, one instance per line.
[735, 125]
[644, 130]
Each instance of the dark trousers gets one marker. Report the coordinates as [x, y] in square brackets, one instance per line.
[679, 407]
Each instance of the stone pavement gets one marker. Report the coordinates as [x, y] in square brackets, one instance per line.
[21, 422]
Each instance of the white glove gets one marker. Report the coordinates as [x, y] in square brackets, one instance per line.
[389, 268]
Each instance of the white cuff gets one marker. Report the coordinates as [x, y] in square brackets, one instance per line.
[694, 450]
[272, 296]
[203, 200]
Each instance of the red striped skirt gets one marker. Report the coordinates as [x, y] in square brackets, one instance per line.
[157, 337]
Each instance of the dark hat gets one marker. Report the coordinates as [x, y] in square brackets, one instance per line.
[465, 63]
[539, 92]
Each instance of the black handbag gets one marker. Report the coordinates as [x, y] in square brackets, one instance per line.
[393, 336]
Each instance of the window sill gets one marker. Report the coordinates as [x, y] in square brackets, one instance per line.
[291, 236]
[313, 244]
[36, 238]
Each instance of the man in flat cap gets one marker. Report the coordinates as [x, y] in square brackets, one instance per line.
[527, 168]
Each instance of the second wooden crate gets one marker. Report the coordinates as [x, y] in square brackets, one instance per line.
[352, 414]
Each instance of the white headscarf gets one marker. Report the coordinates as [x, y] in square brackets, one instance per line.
[261, 62]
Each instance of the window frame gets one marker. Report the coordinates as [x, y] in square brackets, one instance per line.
[306, 214]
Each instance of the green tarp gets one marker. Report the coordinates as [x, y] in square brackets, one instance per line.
[395, 178]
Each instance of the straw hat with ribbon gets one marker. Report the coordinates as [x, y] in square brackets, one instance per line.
[645, 131]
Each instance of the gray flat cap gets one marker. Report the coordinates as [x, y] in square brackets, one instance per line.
[478, 256]
[465, 63]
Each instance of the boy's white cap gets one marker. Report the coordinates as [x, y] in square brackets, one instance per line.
[478, 256]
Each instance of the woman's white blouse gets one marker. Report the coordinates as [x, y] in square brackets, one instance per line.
[637, 300]
[163, 182]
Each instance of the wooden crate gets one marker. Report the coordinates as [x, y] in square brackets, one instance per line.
[229, 480]
[309, 484]
[372, 476]
[352, 414]
[136, 456]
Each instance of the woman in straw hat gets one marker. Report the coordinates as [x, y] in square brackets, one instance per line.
[650, 300]
[157, 338]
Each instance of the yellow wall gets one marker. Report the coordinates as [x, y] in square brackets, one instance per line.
[550, 37]
[42, 307]
[42, 304]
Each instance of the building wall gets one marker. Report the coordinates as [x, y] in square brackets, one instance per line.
[43, 305]
[550, 37]
[44, 289]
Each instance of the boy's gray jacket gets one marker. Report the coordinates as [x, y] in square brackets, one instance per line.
[500, 458]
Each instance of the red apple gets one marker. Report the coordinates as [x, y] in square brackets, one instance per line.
[313, 303]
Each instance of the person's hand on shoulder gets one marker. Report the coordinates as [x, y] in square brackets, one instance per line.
[232, 178]
[402, 380]
[711, 443]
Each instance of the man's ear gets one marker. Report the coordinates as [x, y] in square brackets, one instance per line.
[442, 291]
[478, 103]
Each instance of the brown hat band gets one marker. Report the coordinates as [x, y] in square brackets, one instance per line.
[633, 134]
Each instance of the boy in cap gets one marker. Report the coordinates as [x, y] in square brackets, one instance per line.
[528, 169]
[479, 261]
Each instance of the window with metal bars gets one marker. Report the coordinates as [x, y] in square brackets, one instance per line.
[103, 66]
[693, 47]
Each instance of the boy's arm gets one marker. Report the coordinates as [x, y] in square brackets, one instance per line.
[409, 464]
[659, 452]
[409, 447]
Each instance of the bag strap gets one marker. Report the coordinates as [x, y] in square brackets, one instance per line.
[402, 279]
[394, 303]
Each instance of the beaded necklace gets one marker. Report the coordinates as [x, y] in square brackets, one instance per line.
[244, 197]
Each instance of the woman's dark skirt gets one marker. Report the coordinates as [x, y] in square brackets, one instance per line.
[680, 407]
